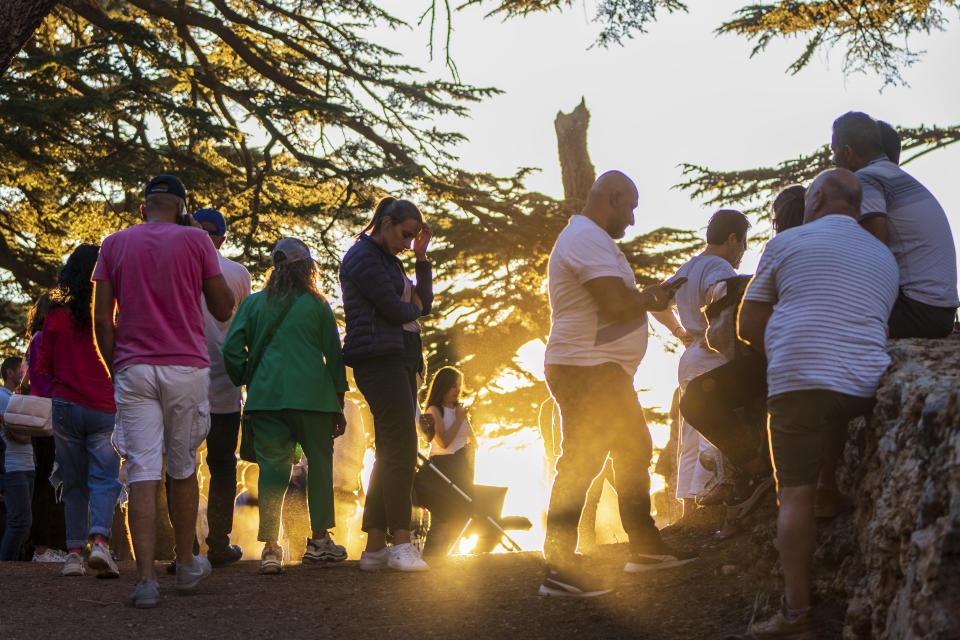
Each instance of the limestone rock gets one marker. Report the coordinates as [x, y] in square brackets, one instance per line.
[901, 571]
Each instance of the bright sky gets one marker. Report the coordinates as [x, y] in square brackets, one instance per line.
[675, 94]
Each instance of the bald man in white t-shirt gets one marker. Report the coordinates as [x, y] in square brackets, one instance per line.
[598, 336]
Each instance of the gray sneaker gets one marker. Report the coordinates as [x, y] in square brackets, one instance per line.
[73, 565]
[101, 560]
[323, 551]
[271, 560]
[145, 594]
[190, 575]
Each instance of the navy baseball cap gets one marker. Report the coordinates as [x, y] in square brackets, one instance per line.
[214, 217]
[165, 184]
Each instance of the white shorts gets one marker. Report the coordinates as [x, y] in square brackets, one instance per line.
[160, 409]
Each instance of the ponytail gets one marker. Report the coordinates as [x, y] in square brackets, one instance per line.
[397, 210]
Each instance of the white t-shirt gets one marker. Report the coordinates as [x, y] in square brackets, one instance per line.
[832, 286]
[449, 416]
[579, 334]
[224, 397]
[701, 272]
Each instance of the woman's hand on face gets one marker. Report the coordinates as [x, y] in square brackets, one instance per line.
[461, 413]
[421, 242]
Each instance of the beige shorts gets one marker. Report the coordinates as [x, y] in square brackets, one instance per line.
[161, 410]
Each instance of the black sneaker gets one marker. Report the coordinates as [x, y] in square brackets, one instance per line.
[657, 556]
[567, 585]
[227, 555]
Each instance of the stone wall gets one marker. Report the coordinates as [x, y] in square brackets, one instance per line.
[901, 576]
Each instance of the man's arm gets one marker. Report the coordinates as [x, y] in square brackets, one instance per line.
[103, 328]
[752, 322]
[220, 301]
[622, 303]
[877, 225]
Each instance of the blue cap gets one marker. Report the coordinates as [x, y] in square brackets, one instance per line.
[214, 217]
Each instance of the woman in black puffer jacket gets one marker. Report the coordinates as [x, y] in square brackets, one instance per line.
[383, 346]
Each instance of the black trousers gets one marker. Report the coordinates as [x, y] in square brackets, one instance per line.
[912, 319]
[389, 385]
[222, 462]
[450, 513]
[727, 406]
[49, 527]
[600, 416]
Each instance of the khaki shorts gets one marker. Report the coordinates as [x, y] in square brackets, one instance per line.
[799, 424]
[161, 410]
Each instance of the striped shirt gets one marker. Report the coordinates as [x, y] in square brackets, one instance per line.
[918, 232]
[832, 286]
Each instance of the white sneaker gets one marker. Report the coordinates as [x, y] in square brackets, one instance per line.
[73, 565]
[50, 555]
[405, 557]
[271, 560]
[375, 560]
[101, 560]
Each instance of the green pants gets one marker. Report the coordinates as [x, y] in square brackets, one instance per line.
[276, 434]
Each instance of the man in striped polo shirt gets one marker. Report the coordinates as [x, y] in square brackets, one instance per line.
[823, 327]
[905, 216]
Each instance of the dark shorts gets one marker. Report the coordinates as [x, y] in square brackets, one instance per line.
[799, 424]
[912, 319]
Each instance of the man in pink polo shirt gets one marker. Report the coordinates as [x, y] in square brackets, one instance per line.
[149, 327]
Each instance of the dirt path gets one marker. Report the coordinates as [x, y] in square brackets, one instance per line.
[492, 596]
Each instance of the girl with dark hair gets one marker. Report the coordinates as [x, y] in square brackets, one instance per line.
[383, 346]
[284, 346]
[83, 418]
[451, 451]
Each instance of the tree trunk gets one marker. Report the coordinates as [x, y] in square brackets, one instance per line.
[20, 18]
[576, 170]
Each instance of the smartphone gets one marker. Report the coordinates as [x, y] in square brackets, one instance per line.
[183, 218]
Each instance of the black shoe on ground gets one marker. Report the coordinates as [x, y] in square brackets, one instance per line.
[567, 585]
[172, 568]
[657, 556]
[227, 555]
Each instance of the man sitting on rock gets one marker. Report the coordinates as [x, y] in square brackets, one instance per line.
[822, 326]
[905, 216]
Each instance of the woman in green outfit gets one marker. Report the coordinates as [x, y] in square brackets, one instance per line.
[284, 346]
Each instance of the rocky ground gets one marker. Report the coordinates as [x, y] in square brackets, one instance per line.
[493, 596]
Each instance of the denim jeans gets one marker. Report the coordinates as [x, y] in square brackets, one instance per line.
[89, 466]
[17, 494]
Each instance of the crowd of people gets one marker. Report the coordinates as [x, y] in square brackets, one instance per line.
[862, 254]
[148, 341]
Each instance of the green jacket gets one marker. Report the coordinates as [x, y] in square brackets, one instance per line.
[302, 367]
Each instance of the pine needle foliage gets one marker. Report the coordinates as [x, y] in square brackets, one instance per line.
[752, 190]
[282, 113]
[289, 118]
[873, 34]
